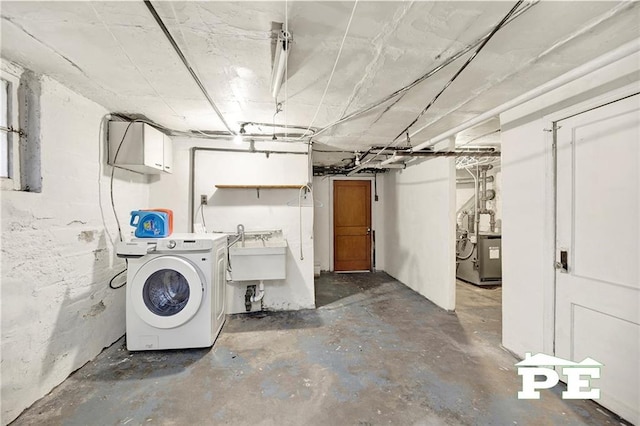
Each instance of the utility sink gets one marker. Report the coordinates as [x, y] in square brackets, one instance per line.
[261, 256]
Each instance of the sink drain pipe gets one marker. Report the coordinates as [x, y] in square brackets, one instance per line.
[259, 294]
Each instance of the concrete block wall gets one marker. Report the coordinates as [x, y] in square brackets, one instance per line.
[420, 228]
[58, 253]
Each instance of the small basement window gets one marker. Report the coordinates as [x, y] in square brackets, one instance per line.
[9, 128]
[4, 124]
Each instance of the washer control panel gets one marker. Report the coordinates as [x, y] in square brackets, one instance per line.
[170, 244]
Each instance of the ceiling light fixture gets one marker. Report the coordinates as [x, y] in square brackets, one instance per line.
[283, 45]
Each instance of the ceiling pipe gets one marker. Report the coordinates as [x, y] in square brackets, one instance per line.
[456, 153]
[470, 59]
[424, 77]
[604, 60]
[282, 126]
[620, 8]
[175, 46]
[467, 181]
[283, 45]
[387, 166]
[474, 154]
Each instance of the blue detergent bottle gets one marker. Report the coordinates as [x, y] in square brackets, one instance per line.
[150, 224]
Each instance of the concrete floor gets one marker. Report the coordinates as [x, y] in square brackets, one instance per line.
[374, 352]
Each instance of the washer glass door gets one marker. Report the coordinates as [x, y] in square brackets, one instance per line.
[166, 292]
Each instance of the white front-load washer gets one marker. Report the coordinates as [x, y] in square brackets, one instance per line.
[175, 290]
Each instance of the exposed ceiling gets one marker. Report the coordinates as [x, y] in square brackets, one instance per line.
[116, 54]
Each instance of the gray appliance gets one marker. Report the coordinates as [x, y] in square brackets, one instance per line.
[484, 266]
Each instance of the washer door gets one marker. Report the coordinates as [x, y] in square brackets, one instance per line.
[166, 292]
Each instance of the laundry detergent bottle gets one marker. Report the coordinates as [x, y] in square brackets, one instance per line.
[169, 216]
[150, 224]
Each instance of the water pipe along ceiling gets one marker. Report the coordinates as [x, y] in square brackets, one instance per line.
[345, 58]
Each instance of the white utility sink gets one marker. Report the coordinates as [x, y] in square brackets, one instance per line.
[261, 256]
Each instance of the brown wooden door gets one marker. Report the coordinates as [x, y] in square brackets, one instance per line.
[352, 225]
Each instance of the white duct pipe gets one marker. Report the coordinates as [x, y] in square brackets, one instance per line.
[386, 166]
[483, 188]
[379, 166]
[466, 181]
[393, 159]
[476, 223]
[604, 60]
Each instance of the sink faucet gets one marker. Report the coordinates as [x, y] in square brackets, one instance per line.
[240, 231]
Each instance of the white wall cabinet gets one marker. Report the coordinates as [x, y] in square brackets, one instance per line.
[140, 148]
[167, 151]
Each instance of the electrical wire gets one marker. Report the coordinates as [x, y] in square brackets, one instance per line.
[187, 65]
[113, 205]
[113, 168]
[420, 79]
[286, 68]
[333, 70]
[102, 133]
[463, 67]
[131, 61]
[278, 109]
[201, 211]
[405, 89]
[304, 187]
[332, 151]
[484, 42]
[116, 276]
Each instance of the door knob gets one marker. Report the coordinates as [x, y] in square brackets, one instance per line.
[368, 231]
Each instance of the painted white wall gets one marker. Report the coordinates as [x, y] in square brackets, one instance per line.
[464, 192]
[420, 228]
[58, 254]
[226, 208]
[528, 205]
[524, 169]
[322, 241]
[323, 220]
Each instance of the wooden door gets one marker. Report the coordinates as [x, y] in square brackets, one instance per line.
[598, 276]
[352, 225]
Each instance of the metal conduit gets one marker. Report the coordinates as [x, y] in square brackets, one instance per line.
[424, 77]
[463, 67]
[600, 62]
[494, 30]
[313, 130]
[466, 181]
[175, 46]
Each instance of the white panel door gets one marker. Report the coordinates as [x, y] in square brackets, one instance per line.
[598, 294]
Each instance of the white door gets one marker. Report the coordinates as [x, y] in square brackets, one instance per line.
[598, 294]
